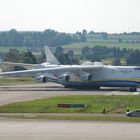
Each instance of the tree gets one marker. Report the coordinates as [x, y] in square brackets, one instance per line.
[28, 41]
[28, 57]
[36, 39]
[133, 58]
[59, 51]
[104, 35]
[91, 33]
[13, 56]
[120, 40]
[42, 57]
[85, 52]
[14, 38]
[71, 57]
[117, 62]
[84, 32]
[83, 38]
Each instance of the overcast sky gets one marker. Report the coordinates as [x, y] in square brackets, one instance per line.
[70, 15]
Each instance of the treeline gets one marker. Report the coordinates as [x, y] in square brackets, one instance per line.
[39, 39]
[96, 53]
[105, 33]
[23, 57]
[27, 57]
[99, 53]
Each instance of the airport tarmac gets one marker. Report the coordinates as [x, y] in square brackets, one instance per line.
[14, 129]
[11, 129]
[16, 93]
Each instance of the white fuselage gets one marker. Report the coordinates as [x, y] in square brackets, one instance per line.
[85, 75]
[108, 76]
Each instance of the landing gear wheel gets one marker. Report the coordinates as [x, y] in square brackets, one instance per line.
[96, 88]
[133, 89]
[129, 115]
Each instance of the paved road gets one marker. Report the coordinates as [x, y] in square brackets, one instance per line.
[10, 94]
[67, 130]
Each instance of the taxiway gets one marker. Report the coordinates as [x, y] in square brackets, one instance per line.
[16, 93]
[67, 130]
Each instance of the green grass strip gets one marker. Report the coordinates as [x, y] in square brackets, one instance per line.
[115, 104]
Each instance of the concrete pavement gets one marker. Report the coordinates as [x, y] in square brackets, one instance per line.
[67, 130]
[16, 93]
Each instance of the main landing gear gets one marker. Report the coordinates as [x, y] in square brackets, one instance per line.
[133, 89]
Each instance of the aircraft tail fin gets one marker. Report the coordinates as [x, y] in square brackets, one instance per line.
[50, 57]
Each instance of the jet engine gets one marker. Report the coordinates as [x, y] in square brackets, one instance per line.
[86, 77]
[42, 79]
[64, 78]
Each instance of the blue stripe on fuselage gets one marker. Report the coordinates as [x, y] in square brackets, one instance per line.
[113, 83]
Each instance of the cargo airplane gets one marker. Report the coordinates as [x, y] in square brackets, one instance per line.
[86, 75]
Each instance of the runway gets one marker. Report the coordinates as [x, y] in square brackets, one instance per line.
[67, 130]
[16, 93]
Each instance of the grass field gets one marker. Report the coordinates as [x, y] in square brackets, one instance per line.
[76, 47]
[128, 41]
[95, 104]
[16, 81]
[4, 49]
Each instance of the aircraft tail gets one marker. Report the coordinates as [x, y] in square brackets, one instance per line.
[50, 57]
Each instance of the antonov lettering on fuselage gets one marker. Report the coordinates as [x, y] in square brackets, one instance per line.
[87, 75]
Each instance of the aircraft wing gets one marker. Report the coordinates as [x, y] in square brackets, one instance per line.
[27, 66]
[56, 70]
